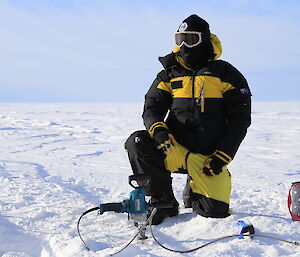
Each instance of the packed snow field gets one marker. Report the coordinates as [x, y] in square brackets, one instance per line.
[58, 160]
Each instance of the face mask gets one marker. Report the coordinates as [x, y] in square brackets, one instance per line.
[195, 56]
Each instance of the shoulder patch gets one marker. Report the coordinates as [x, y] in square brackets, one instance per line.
[245, 91]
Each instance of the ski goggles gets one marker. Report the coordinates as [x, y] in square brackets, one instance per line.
[188, 38]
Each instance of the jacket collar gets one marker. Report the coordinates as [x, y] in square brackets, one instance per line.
[168, 61]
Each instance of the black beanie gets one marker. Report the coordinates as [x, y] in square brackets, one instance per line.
[195, 23]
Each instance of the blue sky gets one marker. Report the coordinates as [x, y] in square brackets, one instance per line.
[106, 51]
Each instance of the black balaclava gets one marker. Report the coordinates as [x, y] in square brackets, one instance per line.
[196, 56]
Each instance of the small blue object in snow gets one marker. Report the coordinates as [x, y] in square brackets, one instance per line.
[245, 229]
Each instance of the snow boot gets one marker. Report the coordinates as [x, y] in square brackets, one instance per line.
[162, 213]
[187, 193]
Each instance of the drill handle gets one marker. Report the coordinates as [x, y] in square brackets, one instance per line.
[116, 207]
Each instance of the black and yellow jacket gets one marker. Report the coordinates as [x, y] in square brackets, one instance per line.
[206, 109]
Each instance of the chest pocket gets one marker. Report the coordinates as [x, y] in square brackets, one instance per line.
[181, 88]
[176, 84]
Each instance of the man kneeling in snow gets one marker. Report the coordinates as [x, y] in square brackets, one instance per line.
[196, 112]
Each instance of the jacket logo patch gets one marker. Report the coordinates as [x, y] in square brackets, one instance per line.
[176, 84]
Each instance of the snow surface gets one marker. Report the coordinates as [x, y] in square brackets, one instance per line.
[58, 160]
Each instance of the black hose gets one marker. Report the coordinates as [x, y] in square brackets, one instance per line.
[216, 240]
[149, 221]
[86, 212]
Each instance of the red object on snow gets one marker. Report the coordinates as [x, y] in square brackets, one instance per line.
[294, 201]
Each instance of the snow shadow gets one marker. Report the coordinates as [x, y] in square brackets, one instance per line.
[41, 171]
[15, 241]
[97, 246]
[247, 214]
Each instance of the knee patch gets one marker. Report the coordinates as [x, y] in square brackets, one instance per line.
[136, 138]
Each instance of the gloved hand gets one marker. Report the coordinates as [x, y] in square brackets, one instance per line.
[213, 166]
[165, 139]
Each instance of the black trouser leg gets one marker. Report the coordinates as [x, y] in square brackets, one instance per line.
[146, 159]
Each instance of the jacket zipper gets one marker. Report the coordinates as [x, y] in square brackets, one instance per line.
[197, 104]
[193, 92]
[201, 98]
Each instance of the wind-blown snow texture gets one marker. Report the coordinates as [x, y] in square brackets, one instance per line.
[58, 160]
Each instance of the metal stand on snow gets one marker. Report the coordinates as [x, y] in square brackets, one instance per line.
[136, 206]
